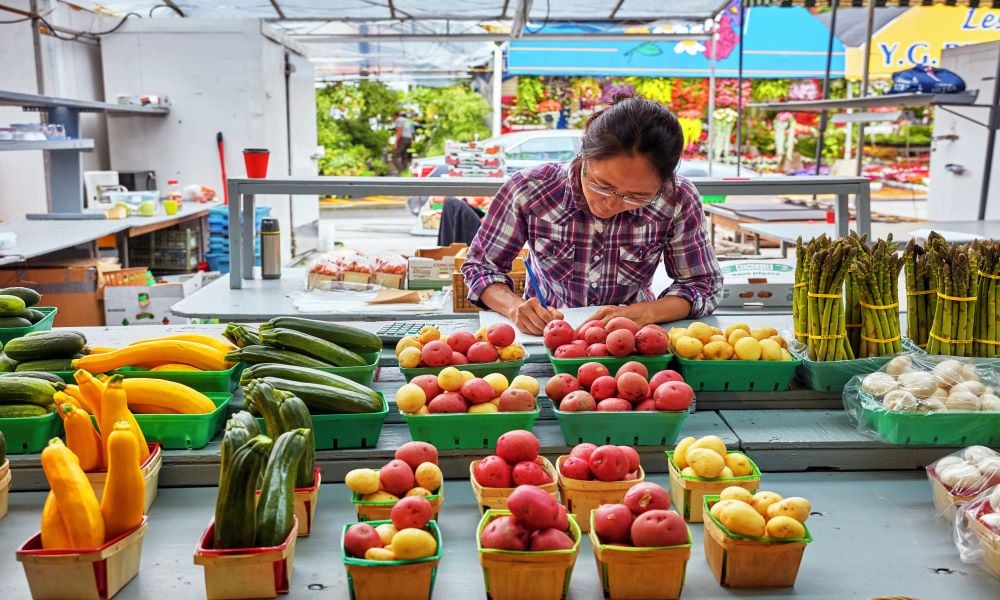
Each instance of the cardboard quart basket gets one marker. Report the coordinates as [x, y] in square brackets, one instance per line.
[524, 575]
[580, 496]
[238, 573]
[305, 504]
[989, 543]
[629, 573]
[372, 510]
[396, 579]
[5, 478]
[741, 561]
[946, 503]
[150, 475]
[82, 574]
[687, 493]
[496, 498]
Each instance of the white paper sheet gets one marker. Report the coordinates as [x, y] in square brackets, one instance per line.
[357, 302]
[955, 237]
[573, 316]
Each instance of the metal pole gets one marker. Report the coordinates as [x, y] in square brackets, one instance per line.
[739, 92]
[823, 116]
[865, 67]
[991, 138]
[497, 85]
[711, 96]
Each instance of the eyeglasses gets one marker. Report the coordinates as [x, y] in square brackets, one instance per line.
[608, 192]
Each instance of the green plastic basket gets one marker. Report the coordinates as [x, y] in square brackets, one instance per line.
[467, 430]
[953, 429]
[613, 363]
[508, 368]
[180, 432]
[28, 435]
[203, 381]
[45, 324]
[738, 375]
[710, 501]
[368, 510]
[634, 428]
[383, 569]
[364, 375]
[832, 376]
[349, 430]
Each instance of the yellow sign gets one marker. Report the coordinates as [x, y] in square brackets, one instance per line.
[918, 35]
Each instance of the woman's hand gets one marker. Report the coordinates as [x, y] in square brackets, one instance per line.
[529, 316]
[662, 310]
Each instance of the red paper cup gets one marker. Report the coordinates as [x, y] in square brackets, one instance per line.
[256, 162]
[831, 217]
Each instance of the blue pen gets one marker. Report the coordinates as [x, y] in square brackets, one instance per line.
[534, 284]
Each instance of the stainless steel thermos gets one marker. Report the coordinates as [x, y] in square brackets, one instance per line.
[270, 249]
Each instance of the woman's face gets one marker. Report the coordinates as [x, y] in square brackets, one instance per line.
[619, 183]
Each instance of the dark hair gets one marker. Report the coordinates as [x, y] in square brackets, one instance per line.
[633, 125]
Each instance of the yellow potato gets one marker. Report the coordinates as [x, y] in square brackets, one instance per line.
[718, 350]
[736, 336]
[380, 497]
[379, 554]
[762, 500]
[486, 407]
[717, 338]
[706, 463]
[783, 527]
[386, 531]
[712, 442]
[482, 333]
[716, 330]
[687, 346]
[467, 375]
[737, 327]
[726, 473]
[794, 507]
[688, 472]
[428, 333]
[680, 451]
[428, 475]
[420, 491]
[423, 411]
[675, 333]
[495, 402]
[407, 342]
[764, 332]
[770, 350]
[411, 544]
[735, 492]
[785, 354]
[362, 481]
[527, 383]
[497, 381]
[743, 519]
[450, 379]
[700, 331]
[781, 341]
[409, 358]
[410, 398]
[739, 464]
[747, 348]
[720, 506]
[512, 352]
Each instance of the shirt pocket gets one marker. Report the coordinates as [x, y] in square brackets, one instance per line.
[555, 259]
[638, 262]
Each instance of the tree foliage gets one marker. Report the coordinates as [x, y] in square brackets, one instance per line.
[449, 113]
[354, 121]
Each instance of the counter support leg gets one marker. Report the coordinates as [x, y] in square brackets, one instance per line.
[235, 238]
[842, 215]
[863, 206]
[248, 236]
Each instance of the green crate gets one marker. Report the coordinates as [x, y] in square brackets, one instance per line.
[953, 429]
[655, 364]
[634, 428]
[349, 430]
[508, 368]
[382, 584]
[364, 375]
[9, 333]
[467, 430]
[180, 432]
[832, 376]
[28, 435]
[203, 381]
[372, 510]
[738, 375]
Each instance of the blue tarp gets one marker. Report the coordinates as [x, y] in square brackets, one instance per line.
[780, 43]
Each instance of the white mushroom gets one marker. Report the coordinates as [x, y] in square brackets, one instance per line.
[962, 401]
[974, 454]
[900, 400]
[948, 372]
[918, 383]
[931, 405]
[878, 383]
[989, 402]
[899, 365]
[973, 387]
[960, 477]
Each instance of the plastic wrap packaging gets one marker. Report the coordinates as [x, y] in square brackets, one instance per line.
[918, 399]
[390, 271]
[340, 270]
[961, 476]
[833, 375]
[977, 531]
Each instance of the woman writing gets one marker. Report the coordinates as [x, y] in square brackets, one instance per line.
[597, 227]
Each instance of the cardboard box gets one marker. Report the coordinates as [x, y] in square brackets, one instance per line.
[431, 268]
[149, 304]
[74, 287]
[750, 283]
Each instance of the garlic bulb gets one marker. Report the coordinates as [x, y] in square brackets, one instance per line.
[948, 461]
[973, 387]
[960, 477]
[948, 372]
[991, 520]
[990, 468]
[931, 405]
[878, 383]
[941, 393]
[918, 383]
[899, 365]
[962, 401]
[989, 402]
[974, 454]
[901, 400]
[969, 373]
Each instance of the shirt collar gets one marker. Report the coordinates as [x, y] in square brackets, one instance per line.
[575, 202]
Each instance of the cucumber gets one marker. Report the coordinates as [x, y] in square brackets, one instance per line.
[265, 354]
[324, 399]
[351, 338]
[44, 345]
[7, 364]
[248, 421]
[303, 374]
[32, 315]
[61, 330]
[48, 364]
[11, 306]
[26, 390]
[324, 350]
[27, 295]
[235, 526]
[294, 414]
[11, 322]
[276, 508]
[19, 411]
[52, 378]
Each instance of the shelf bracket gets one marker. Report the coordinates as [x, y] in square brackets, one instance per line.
[991, 124]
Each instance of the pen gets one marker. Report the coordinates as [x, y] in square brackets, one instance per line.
[534, 284]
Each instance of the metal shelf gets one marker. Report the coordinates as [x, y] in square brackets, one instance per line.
[36, 102]
[15, 145]
[962, 98]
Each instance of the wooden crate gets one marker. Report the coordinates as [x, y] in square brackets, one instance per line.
[150, 474]
[946, 503]
[580, 496]
[641, 573]
[459, 294]
[381, 511]
[5, 478]
[93, 574]
[743, 563]
[512, 575]
[395, 579]
[306, 500]
[687, 495]
[496, 498]
[246, 572]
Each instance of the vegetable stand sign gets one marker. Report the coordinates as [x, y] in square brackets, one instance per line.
[757, 283]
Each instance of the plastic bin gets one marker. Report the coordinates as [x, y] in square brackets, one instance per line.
[951, 429]
[738, 375]
[613, 363]
[396, 579]
[349, 430]
[832, 376]
[467, 430]
[28, 435]
[634, 428]
[180, 432]
[203, 381]
[368, 510]
[507, 368]
[45, 324]
[364, 375]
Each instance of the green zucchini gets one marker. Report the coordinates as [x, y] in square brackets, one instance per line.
[52, 378]
[235, 526]
[32, 315]
[18, 411]
[263, 400]
[27, 295]
[45, 345]
[11, 306]
[324, 350]
[349, 337]
[7, 364]
[265, 354]
[241, 335]
[48, 364]
[248, 421]
[76, 332]
[276, 508]
[233, 438]
[26, 390]
[294, 414]
[304, 374]
[324, 399]
[12, 322]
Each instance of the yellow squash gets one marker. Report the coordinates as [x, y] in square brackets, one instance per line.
[74, 497]
[100, 349]
[54, 534]
[93, 390]
[61, 398]
[175, 367]
[170, 395]
[124, 490]
[198, 338]
[156, 353]
[82, 438]
[77, 394]
[114, 408]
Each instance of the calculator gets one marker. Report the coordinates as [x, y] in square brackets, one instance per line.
[397, 330]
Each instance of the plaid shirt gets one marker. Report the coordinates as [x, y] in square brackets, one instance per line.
[580, 260]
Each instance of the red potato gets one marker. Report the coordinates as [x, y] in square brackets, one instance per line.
[632, 387]
[529, 473]
[359, 538]
[416, 453]
[576, 467]
[482, 352]
[656, 528]
[396, 477]
[435, 354]
[560, 385]
[651, 340]
[533, 507]
[646, 496]
[603, 387]
[493, 471]
[633, 458]
[662, 377]
[476, 391]
[583, 450]
[578, 401]
[579, 343]
[633, 366]
[461, 341]
[516, 400]
[411, 511]
[589, 372]
[595, 335]
[562, 521]
[614, 405]
[582, 331]
[621, 342]
[673, 396]
[557, 333]
[632, 476]
[505, 533]
[646, 405]
[617, 323]
[609, 463]
[448, 402]
[550, 539]
[428, 383]
[570, 351]
[613, 523]
[457, 358]
[518, 445]
[598, 350]
[500, 334]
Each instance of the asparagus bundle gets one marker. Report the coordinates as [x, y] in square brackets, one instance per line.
[986, 342]
[853, 299]
[957, 274]
[876, 274]
[920, 292]
[829, 264]
[800, 308]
